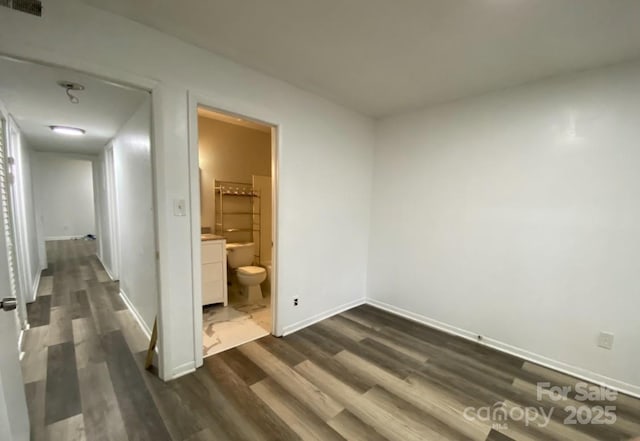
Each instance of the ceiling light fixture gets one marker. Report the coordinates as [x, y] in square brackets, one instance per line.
[70, 131]
[71, 86]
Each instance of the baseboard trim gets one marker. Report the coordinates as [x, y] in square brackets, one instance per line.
[182, 370]
[321, 316]
[574, 371]
[136, 314]
[21, 341]
[36, 285]
[106, 268]
[48, 238]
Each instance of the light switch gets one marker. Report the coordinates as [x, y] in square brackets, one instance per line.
[179, 207]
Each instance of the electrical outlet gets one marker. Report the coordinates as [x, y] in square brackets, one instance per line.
[295, 301]
[605, 340]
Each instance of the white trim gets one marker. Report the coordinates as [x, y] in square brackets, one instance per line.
[323, 315]
[136, 315]
[21, 341]
[195, 100]
[158, 145]
[106, 268]
[275, 239]
[574, 371]
[196, 238]
[182, 370]
[36, 285]
[48, 238]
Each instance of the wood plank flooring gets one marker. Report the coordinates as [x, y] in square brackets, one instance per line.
[362, 375]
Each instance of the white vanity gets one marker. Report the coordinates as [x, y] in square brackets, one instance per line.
[214, 269]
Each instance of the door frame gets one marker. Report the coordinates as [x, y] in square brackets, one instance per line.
[195, 101]
[15, 265]
[153, 87]
[19, 217]
[112, 211]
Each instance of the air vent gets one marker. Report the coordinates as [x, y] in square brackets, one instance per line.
[33, 7]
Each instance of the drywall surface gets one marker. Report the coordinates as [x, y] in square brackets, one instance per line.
[324, 153]
[64, 195]
[134, 200]
[264, 186]
[228, 152]
[106, 211]
[516, 216]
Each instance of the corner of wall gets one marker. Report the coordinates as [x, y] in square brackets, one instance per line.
[574, 371]
[143, 325]
[290, 329]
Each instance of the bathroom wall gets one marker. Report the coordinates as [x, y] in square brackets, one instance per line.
[337, 142]
[263, 184]
[516, 216]
[64, 195]
[229, 152]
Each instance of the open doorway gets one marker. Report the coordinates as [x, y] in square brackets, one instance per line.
[235, 228]
[80, 159]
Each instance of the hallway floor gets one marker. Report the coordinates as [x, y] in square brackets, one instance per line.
[84, 355]
[361, 375]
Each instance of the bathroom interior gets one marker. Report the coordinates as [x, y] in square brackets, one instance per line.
[235, 162]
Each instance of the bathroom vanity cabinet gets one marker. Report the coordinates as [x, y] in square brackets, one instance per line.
[214, 270]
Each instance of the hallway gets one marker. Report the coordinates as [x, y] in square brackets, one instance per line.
[83, 355]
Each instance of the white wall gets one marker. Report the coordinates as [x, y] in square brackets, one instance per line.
[516, 216]
[105, 239]
[313, 242]
[64, 195]
[228, 152]
[134, 200]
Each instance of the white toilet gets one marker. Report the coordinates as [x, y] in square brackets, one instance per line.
[239, 259]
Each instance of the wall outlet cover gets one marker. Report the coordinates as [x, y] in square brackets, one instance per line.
[605, 340]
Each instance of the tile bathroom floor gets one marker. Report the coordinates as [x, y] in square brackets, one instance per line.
[225, 327]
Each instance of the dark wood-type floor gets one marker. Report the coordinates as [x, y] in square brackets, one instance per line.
[362, 375]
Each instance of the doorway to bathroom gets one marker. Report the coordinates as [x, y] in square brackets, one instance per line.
[233, 163]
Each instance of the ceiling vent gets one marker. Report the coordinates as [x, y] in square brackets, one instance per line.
[33, 7]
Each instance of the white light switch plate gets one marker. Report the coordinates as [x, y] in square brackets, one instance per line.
[179, 207]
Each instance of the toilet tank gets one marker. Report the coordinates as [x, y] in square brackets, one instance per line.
[240, 254]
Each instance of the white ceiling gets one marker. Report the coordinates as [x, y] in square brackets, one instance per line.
[385, 56]
[36, 102]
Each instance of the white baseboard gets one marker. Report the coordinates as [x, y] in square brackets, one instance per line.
[36, 285]
[106, 268]
[574, 371]
[62, 238]
[321, 316]
[21, 342]
[182, 370]
[136, 314]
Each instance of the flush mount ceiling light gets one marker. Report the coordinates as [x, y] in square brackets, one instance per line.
[70, 86]
[70, 131]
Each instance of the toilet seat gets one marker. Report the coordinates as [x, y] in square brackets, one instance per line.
[251, 270]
